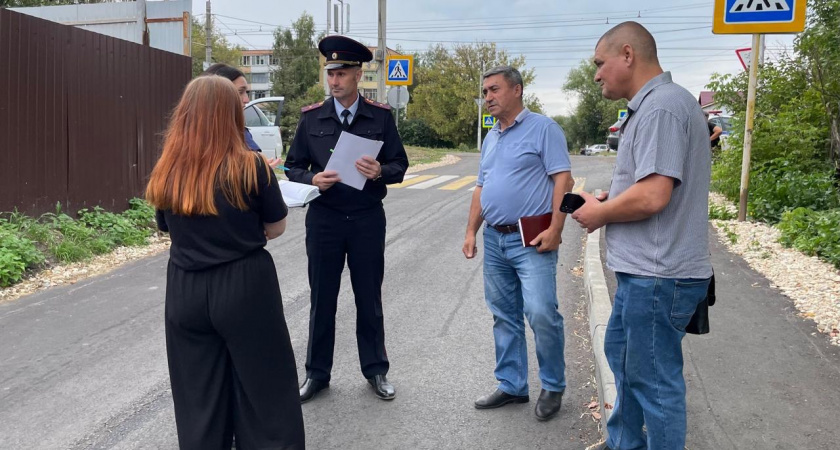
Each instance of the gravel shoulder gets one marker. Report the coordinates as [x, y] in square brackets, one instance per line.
[812, 284]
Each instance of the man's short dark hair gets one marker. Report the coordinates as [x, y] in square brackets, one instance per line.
[510, 74]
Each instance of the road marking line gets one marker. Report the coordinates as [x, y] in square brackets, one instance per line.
[412, 180]
[473, 188]
[433, 182]
[455, 185]
[580, 182]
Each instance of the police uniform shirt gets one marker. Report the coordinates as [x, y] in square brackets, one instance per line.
[315, 138]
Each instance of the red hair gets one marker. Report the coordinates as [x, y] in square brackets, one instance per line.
[204, 150]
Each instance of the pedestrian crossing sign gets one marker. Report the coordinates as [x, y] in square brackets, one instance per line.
[759, 16]
[487, 121]
[400, 68]
[622, 113]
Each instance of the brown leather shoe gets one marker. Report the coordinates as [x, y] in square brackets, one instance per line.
[382, 388]
[311, 387]
[548, 404]
[499, 398]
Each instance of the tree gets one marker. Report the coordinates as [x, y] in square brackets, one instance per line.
[291, 111]
[594, 114]
[221, 51]
[297, 70]
[820, 54]
[297, 58]
[447, 83]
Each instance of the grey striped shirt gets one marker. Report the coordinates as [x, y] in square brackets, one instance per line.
[665, 133]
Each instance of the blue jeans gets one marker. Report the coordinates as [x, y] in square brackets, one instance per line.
[644, 351]
[519, 282]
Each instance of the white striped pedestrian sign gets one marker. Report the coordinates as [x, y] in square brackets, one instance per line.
[759, 16]
[400, 69]
[487, 121]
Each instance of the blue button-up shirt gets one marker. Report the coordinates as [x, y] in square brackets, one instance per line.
[516, 168]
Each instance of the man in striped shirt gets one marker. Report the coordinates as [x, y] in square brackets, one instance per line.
[656, 221]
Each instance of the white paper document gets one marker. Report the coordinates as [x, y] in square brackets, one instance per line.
[297, 194]
[348, 149]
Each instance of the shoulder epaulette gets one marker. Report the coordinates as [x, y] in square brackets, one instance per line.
[377, 104]
[311, 107]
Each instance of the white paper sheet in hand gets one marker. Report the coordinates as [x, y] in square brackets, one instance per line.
[348, 149]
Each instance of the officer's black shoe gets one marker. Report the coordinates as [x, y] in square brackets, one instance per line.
[311, 387]
[548, 404]
[382, 388]
[499, 398]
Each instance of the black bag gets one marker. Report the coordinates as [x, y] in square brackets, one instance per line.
[699, 323]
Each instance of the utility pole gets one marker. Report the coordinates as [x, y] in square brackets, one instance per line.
[479, 101]
[208, 29]
[329, 3]
[381, 54]
[748, 131]
[324, 71]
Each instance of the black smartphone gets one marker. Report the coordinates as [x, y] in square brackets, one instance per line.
[571, 202]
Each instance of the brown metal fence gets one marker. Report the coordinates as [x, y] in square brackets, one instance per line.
[81, 115]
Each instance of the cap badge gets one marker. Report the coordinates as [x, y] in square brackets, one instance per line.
[335, 55]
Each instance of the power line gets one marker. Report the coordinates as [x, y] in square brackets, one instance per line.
[240, 37]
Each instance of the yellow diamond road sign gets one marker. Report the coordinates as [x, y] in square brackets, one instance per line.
[758, 16]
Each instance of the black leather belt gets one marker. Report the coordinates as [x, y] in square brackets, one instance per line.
[505, 229]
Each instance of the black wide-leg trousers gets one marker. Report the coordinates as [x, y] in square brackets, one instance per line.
[332, 237]
[231, 363]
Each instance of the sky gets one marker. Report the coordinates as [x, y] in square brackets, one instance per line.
[554, 36]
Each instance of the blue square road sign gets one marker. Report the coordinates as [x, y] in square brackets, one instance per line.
[758, 11]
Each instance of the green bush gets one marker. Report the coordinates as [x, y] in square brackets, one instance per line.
[418, 133]
[17, 254]
[117, 229]
[782, 185]
[68, 240]
[776, 186]
[720, 212]
[812, 232]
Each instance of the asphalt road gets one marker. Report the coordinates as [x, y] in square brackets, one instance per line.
[84, 366]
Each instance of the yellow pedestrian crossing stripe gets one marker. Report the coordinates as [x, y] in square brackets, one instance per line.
[458, 184]
[433, 181]
[580, 182]
[414, 180]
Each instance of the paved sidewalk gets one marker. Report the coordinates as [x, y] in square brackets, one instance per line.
[764, 378]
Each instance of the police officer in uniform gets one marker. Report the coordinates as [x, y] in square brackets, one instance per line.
[346, 223]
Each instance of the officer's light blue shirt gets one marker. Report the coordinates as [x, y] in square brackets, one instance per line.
[517, 165]
[339, 108]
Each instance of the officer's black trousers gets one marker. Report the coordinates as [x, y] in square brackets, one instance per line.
[230, 358]
[330, 238]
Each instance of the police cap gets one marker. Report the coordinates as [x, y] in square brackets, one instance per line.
[341, 52]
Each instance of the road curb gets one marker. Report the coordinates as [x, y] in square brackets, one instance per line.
[600, 308]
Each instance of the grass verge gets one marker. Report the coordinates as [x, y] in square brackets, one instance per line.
[29, 244]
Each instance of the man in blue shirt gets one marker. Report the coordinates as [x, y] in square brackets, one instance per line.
[524, 171]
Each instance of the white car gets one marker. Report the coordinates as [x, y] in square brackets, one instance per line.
[598, 148]
[262, 118]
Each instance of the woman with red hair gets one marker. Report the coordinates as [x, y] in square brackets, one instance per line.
[231, 364]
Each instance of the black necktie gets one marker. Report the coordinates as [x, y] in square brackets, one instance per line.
[345, 122]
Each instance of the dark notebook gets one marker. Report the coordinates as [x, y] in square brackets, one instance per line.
[531, 226]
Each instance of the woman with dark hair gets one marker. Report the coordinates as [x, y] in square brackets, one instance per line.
[241, 84]
[231, 364]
